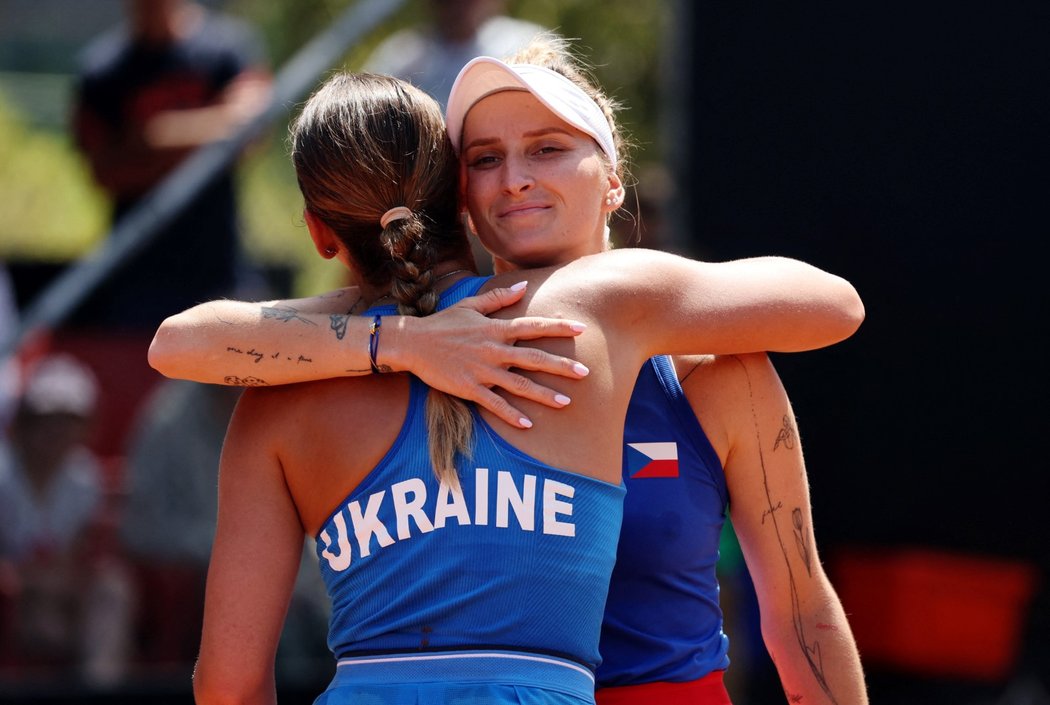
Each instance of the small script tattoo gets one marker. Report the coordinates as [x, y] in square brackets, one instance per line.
[284, 314]
[786, 435]
[769, 512]
[253, 353]
[258, 356]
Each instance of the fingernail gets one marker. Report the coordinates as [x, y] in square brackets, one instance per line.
[580, 369]
[561, 399]
[525, 423]
[519, 286]
[578, 327]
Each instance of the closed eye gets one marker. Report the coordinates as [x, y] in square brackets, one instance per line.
[550, 149]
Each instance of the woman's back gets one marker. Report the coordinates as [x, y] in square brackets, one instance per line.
[515, 559]
[413, 564]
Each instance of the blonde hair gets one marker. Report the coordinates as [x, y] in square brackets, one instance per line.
[364, 144]
[554, 52]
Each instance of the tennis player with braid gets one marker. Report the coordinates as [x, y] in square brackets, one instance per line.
[730, 292]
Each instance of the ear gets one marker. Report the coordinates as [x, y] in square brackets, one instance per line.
[614, 195]
[325, 241]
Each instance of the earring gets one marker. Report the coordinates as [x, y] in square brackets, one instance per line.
[330, 252]
[608, 200]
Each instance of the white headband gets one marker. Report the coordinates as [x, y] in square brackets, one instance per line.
[484, 75]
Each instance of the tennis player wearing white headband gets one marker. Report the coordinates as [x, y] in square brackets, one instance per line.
[538, 153]
[485, 75]
[539, 161]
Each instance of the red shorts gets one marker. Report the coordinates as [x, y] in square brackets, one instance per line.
[709, 690]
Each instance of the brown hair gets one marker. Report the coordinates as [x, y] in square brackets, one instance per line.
[364, 144]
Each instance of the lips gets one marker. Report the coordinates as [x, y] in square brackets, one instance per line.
[523, 209]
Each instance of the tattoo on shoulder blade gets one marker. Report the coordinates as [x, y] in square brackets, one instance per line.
[285, 314]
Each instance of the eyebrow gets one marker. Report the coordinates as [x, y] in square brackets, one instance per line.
[486, 141]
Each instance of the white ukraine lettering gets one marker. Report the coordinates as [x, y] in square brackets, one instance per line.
[507, 497]
[405, 509]
[552, 507]
[340, 562]
[409, 500]
[481, 496]
[368, 524]
[450, 504]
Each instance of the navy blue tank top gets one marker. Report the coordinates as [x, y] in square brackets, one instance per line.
[663, 621]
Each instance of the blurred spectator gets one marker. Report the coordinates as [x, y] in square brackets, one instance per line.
[177, 77]
[169, 523]
[8, 328]
[430, 56]
[59, 578]
[169, 516]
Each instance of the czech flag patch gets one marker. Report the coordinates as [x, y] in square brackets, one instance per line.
[652, 459]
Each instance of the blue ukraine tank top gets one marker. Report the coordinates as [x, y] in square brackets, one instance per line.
[662, 620]
[519, 558]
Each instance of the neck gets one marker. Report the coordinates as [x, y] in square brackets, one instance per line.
[445, 275]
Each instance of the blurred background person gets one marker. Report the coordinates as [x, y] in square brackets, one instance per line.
[169, 515]
[8, 366]
[167, 528]
[64, 594]
[430, 55]
[175, 78]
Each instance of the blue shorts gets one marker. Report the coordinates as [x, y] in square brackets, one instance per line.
[459, 678]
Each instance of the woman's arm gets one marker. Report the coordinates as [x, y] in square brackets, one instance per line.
[459, 351]
[256, 555]
[803, 624]
[748, 305]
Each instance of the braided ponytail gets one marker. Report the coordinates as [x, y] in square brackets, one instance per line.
[365, 144]
[449, 422]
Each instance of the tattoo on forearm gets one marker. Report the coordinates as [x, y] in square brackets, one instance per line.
[259, 356]
[794, 697]
[284, 314]
[810, 649]
[338, 322]
[786, 435]
[245, 381]
[253, 353]
[801, 540]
